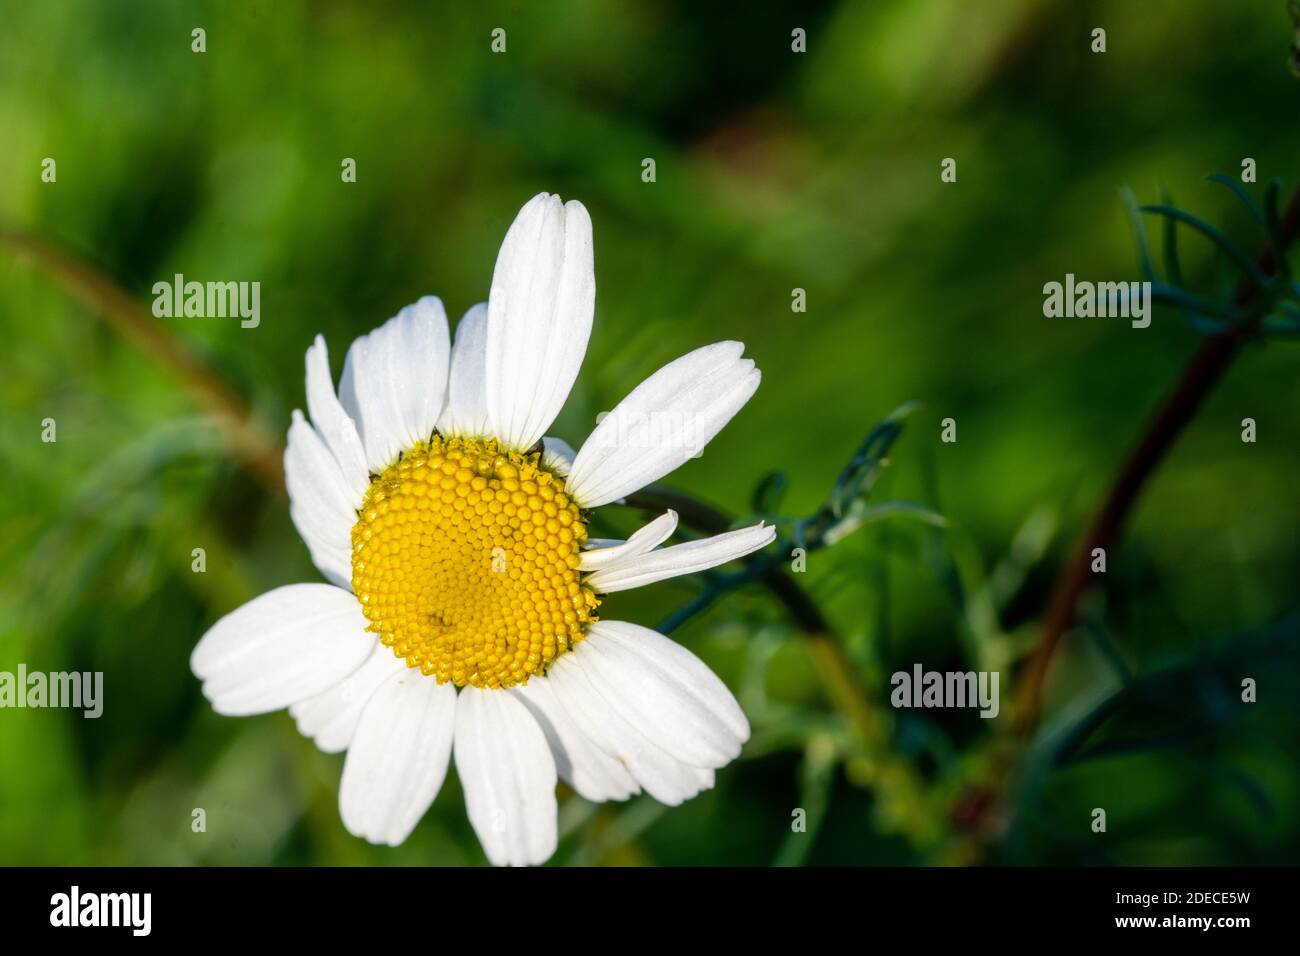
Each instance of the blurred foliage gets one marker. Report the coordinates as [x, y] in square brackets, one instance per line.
[775, 171]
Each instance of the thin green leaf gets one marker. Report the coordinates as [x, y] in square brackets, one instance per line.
[1241, 193]
[1188, 301]
[1139, 228]
[1215, 235]
[860, 474]
[865, 514]
[816, 779]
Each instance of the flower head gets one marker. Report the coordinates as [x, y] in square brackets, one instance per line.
[462, 614]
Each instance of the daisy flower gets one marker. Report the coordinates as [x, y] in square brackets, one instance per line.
[461, 618]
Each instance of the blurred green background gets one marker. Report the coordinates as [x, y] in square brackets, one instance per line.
[775, 171]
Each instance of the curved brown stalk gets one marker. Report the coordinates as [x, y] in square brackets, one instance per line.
[261, 452]
[1206, 367]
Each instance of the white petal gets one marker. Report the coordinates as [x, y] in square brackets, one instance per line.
[282, 647]
[557, 454]
[686, 558]
[322, 505]
[508, 775]
[332, 422]
[330, 718]
[588, 769]
[398, 757]
[539, 317]
[666, 691]
[601, 718]
[466, 411]
[665, 420]
[395, 380]
[643, 541]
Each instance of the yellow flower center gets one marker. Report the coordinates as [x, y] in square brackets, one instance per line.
[465, 560]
